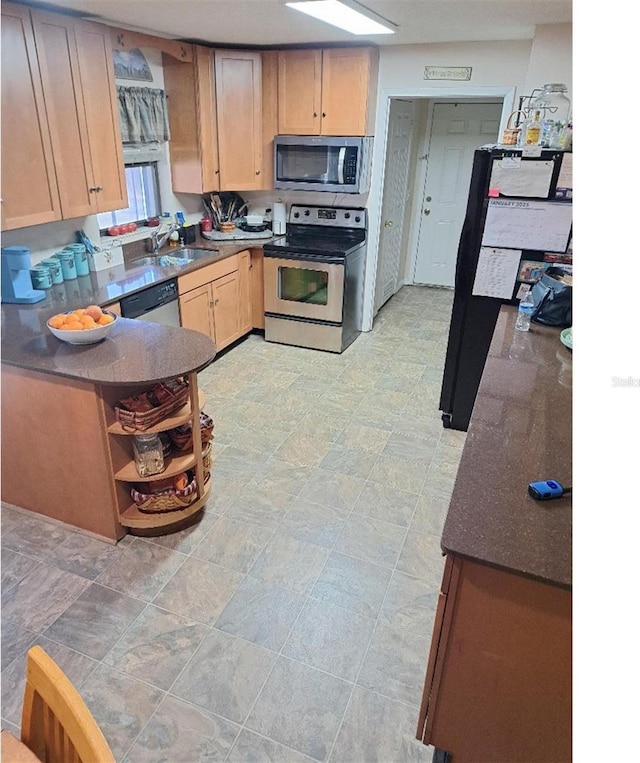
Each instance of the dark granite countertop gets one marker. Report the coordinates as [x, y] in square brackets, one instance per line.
[520, 432]
[26, 342]
[134, 352]
[111, 284]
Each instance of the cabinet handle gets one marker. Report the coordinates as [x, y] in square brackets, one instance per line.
[315, 114]
[92, 189]
[257, 172]
[99, 188]
[216, 172]
[324, 114]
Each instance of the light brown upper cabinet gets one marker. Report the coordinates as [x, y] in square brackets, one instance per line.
[327, 92]
[215, 116]
[68, 111]
[29, 187]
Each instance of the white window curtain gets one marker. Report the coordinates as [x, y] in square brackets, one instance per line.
[143, 115]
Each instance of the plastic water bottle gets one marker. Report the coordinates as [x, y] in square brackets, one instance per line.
[525, 310]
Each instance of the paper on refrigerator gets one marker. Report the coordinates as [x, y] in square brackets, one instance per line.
[496, 272]
[512, 177]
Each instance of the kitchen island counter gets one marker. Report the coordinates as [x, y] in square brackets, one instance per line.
[498, 679]
[61, 447]
[135, 352]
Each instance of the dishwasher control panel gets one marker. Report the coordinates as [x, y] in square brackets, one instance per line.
[135, 305]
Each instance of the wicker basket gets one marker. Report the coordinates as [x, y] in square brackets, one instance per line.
[134, 421]
[181, 438]
[167, 500]
[207, 460]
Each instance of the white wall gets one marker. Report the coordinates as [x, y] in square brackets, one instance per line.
[499, 69]
[551, 57]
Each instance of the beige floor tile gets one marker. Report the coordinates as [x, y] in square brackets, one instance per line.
[317, 563]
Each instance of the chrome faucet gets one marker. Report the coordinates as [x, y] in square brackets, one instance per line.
[155, 242]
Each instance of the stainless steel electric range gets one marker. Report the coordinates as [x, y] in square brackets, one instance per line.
[314, 278]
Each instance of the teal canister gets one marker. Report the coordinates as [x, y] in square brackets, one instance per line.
[81, 259]
[40, 277]
[55, 269]
[68, 262]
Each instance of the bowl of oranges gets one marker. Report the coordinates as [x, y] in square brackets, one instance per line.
[86, 325]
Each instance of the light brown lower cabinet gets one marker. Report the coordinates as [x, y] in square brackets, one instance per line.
[498, 682]
[89, 485]
[216, 300]
[257, 288]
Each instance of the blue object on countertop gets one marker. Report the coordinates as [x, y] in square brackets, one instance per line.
[16, 279]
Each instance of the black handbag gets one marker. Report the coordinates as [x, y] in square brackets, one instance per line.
[552, 300]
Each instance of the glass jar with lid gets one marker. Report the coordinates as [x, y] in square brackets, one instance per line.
[149, 458]
[555, 109]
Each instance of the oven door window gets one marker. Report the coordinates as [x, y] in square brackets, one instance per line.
[303, 285]
[303, 289]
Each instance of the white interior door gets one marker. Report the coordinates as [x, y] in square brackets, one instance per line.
[394, 199]
[457, 129]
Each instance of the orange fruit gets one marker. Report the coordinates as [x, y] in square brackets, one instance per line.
[88, 322]
[105, 319]
[57, 321]
[74, 326]
[79, 311]
[95, 311]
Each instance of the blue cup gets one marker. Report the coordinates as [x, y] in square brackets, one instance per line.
[40, 277]
[55, 269]
[68, 262]
[81, 259]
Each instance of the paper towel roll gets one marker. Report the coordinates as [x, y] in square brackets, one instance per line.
[279, 224]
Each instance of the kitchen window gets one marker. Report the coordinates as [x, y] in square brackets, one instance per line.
[143, 191]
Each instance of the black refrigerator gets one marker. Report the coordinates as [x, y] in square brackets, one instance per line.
[518, 213]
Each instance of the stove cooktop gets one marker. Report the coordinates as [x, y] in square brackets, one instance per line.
[336, 231]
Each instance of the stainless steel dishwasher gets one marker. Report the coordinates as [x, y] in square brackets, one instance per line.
[157, 303]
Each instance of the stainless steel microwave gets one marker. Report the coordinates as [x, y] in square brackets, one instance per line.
[322, 163]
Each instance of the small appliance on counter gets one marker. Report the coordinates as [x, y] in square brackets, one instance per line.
[16, 278]
[279, 222]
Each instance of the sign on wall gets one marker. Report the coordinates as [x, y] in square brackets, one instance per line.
[448, 72]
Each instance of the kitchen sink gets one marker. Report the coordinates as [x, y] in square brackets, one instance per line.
[181, 256]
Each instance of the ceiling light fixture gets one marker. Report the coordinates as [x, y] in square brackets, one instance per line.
[344, 16]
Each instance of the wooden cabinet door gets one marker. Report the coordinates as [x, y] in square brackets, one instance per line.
[226, 309]
[56, 45]
[345, 91]
[257, 288]
[196, 310]
[238, 77]
[95, 60]
[29, 185]
[245, 322]
[269, 115]
[193, 147]
[299, 92]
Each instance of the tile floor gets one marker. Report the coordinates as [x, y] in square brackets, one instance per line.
[293, 622]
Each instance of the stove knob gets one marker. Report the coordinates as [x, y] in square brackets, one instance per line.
[307, 213]
[358, 219]
[347, 215]
[296, 214]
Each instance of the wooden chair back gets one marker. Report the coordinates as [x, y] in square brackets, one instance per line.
[56, 723]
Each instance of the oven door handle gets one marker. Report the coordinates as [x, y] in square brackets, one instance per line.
[342, 153]
[310, 259]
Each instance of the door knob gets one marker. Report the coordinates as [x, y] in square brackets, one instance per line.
[388, 223]
[427, 211]
[428, 198]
